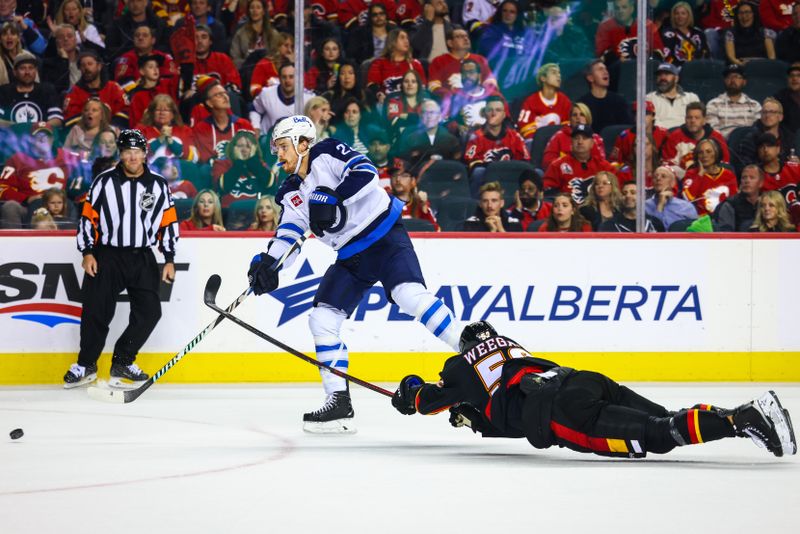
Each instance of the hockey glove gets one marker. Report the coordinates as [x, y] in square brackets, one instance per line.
[323, 205]
[466, 415]
[262, 277]
[404, 399]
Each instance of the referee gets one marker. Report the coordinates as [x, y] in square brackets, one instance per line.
[129, 209]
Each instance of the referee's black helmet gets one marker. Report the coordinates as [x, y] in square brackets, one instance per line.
[131, 139]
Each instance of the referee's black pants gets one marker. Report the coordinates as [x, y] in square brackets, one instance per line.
[135, 270]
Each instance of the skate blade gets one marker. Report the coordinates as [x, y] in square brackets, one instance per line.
[337, 426]
[771, 406]
[82, 382]
[124, 383]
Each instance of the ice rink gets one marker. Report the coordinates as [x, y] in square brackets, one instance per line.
[225, 459]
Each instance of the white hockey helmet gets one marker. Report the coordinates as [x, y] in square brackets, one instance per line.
[294, 127]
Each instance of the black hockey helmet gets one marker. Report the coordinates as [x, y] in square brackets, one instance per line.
[131, 139]
[474, 333]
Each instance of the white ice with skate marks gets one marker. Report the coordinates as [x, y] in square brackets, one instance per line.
[235, 459]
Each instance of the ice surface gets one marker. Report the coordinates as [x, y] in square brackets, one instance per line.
[224, 459]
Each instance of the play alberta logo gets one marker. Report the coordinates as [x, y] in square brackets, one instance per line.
[298, 297]
[48, 314]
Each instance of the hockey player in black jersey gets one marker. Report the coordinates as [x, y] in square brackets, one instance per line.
[498, 389]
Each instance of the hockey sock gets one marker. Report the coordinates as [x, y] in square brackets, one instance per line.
[325, 323]
[415, 300]
[699, 426]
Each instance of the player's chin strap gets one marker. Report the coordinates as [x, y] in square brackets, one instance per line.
[300, 159]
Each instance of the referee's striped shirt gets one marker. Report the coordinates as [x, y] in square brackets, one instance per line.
[129, 213]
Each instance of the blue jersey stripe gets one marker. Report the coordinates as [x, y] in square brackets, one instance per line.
[442, 326]
[430, 311]
[381, 230]
[291, 227]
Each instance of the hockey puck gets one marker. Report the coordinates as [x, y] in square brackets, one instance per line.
[16, 433]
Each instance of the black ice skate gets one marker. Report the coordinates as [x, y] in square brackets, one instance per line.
[335, 416]
[79, 375]
[126, 376]
[767, 423]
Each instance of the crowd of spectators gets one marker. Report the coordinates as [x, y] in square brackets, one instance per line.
[481, 116]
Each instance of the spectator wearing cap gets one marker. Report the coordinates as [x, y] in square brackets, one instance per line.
[789, 97]
[214, 132]
[120, 34]
[445, 69]
[748, 39]
[669, 98]
[61, 68]
[93, 82]
[127, 67]
[276, 101]
[678, 150]
[787, 45]
[707, 182]
[778, 175]
[50, 166]
[547, 106]
[616, 37]
[624, 220]
[738, 212]
[664, 205]
[561, 143]
[27, 101]
[201, 11]
[683, 41]
[32, 38]
[776, 14]
[529, 204]
[150, 84]
[624, 150]
[607, 107]
[770, 121]
[574, 173]
[429, 139]
[463, 108]
[733, 108]
[403, 185]
[489, 214]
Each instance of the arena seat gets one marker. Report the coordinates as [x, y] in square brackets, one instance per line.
[535, 225]
[734, 140]
[765, 77]
[444, 178]
[507, 173]
[453, 211]
[703, 77]
[184, 208]
[418, 225]
[540, 139]
[625, 72]
[610, 134]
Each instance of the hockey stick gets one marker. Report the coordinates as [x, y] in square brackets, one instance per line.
[126, 396]
[210, 297]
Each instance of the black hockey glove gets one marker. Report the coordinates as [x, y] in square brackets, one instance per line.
[466, 415]
[323, 205]
[262, 276]
[404, 399]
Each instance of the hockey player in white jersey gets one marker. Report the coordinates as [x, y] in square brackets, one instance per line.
[335, 191]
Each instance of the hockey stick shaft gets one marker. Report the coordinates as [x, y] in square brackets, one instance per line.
[210, 300]
[120, 396]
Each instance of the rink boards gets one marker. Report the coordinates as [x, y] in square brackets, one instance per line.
[670, 308]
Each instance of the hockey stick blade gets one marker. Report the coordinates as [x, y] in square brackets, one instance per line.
[212, 288]
[224, 313]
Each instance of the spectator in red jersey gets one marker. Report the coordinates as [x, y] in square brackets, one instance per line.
[243, 173]
[683, 41]
[772, 214]
[624, 147]
[787, 46]
[120, 35]
[490, 215]
[565, 217]
[127, 69]
[464, 107]
[496, 140]
[368, 41]
[607, 107]
[170, 11]
[208, 63]
[24, 100]
[206, 213]
[776, 14]
[353, 13]
[678, 150]
[265, 72]
[616, 37]
[707, 182]
[561, 143]
[748, 38]
[321, 76]
[386, 72]
[575, 172]
[430, 35]
[213, 133]
[26, 176]
[256, 33]
[167, 136]
[628, 171]
[529, 205]
[266, 215]
[93, 83]
[625, 219]
[669, 98]
[403, 109]
[445, 69]
[95, 118]
[428, 140]
[404, 187]
[738, 212]
[778, 176]
[318, 109]
[150, 84]
[546, 106]
[717, 14]
[604, 200]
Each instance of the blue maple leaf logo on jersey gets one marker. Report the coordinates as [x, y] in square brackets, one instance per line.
[297, 298]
